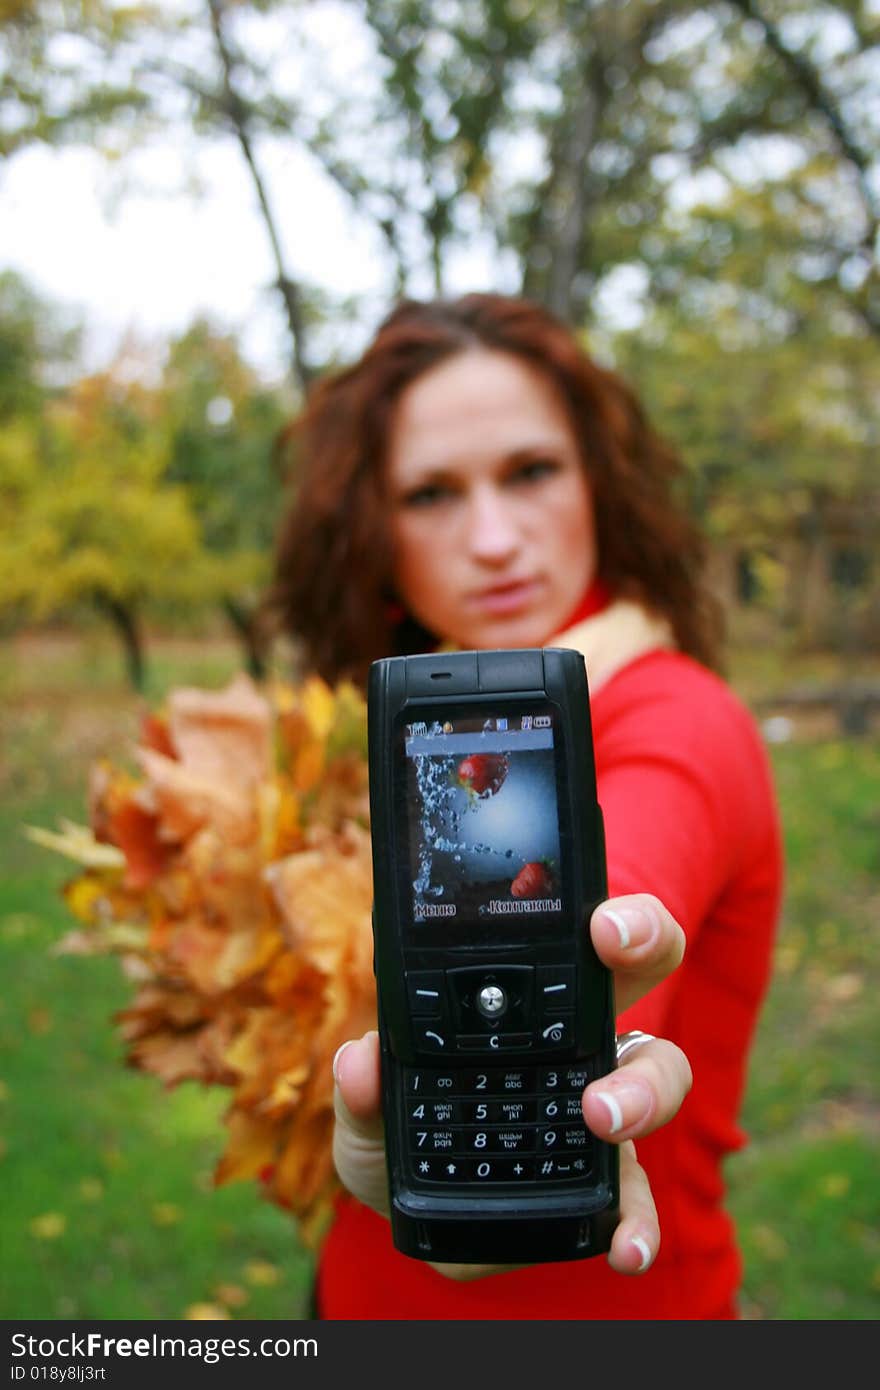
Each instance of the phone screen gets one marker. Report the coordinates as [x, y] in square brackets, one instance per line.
[483, 819]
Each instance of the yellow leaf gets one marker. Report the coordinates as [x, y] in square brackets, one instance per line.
[308, 767]
[325, 897]
[184, 801]
[18, 925]
[251, 1148]
[40, 1022]
[771, 1244]
[843, 988]
[91, 1189]
[262, 1274]
[205, 1312]
[49, 1226]
[222, 736]
[244, 953]
[166, 1214]
[77, 842]
[232, 1295]
[319, 706]
[835, 1185]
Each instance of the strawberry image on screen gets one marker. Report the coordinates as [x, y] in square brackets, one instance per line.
[534, 880]
[486, 833]
[483, 774]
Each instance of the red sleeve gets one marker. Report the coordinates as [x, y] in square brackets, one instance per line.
[685, 793]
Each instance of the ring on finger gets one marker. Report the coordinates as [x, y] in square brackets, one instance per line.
[626, 1042]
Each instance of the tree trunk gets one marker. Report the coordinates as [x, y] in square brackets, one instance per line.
[124, 619]
[247, 630]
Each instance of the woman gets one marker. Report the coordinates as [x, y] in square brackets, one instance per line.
[476, 481]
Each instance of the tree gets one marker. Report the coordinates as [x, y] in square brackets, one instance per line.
[713, 166]
[35, 347]
[87, 516]
[556, 133]
[221, 425]
[771, 390]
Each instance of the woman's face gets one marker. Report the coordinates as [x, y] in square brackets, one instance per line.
[491, 515]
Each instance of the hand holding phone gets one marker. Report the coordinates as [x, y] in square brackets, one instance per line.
[648, 1087]
[495, 1012]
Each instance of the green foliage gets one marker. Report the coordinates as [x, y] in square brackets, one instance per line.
[721, 159]
[221, 427]
[767, 381]
[564, 132]
[87, 512]
[34, 345]
[63, 74]
[133, 496]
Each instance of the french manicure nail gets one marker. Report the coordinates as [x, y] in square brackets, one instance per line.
[634, 926]
[337, 1055]
[626, 1104]
[613, 1109]
[644, 1250]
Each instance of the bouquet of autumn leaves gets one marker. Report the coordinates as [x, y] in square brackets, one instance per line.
[231, 873]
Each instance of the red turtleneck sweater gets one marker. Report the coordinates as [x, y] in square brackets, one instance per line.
[690, 816]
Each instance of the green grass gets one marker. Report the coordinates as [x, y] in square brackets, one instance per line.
[805, 1193]
[108, 1207]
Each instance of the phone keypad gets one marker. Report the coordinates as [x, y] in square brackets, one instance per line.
[516, 1125]
[489, 1009]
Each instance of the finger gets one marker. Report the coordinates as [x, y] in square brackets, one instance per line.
[358, 1145]
[357, 1096]
[640, 940]
[466, 1274]
[636, 1241]
[645, 1091]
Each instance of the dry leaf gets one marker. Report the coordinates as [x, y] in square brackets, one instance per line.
[77, 842]
[205, 1312]
[232, 878]
[49, 1226]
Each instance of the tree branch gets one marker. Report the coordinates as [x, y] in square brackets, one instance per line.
[822, 101]
[238, 113]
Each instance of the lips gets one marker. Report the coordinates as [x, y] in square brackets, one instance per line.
[510, 597]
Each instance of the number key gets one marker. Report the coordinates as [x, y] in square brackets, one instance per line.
[433, 1112]
[425, 1082]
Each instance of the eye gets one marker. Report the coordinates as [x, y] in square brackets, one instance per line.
[427, 496]
[534, 470]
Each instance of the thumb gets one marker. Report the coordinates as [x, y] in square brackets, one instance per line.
[358, 1142]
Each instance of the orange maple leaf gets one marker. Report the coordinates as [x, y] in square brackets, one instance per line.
[243, 915]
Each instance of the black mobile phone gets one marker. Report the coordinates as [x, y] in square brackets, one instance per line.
[494, 1010]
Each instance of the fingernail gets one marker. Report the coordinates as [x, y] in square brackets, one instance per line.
[628, 1103]
[634, 926]
[644, 1250]
[338, 1054]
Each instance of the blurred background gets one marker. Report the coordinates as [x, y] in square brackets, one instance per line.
[205, 204]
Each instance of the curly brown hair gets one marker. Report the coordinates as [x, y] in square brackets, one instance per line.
[332, 588]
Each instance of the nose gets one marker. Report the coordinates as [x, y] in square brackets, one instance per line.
[493, 532]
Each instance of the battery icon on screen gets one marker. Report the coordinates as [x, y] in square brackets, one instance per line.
[542, 721]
